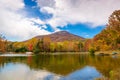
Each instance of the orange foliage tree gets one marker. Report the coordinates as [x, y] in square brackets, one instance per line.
[46, 43]
[109, 38]
[3, 43]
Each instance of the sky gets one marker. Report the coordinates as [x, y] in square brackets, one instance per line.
[24, 19]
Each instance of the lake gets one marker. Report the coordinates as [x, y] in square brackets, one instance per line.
[70, 66]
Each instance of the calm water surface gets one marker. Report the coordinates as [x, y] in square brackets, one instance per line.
[56, 67]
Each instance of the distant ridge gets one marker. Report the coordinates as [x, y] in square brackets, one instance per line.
[62, 36]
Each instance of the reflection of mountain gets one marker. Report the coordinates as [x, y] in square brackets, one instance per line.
[87, 73]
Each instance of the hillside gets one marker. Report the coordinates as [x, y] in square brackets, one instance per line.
[109, 38]
[55, 42]
[61, 36]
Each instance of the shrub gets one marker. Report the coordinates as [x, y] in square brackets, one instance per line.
[92, 51]
[36, 50]
[22, 49]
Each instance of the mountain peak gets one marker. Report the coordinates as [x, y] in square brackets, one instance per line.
[62, 36]
[61, 32]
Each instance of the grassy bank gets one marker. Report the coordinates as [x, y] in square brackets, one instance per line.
[108, 52]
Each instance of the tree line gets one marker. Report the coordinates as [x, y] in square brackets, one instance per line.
[46, 45]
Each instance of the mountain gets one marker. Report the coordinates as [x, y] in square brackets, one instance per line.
[61, 36]
[55, 42]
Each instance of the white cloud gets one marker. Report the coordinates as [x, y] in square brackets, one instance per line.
[86, 35]
[15, 25]
[95, 12]
[12, 5]
[43, 3]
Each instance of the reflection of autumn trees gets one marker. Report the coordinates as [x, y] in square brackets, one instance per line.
[64, 64]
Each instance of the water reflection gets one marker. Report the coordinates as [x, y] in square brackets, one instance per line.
[15, 55]
[87, 73]
[68, 66]
[22, 72]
